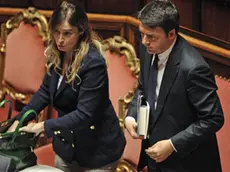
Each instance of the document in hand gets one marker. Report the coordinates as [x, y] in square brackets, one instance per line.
[143, 110]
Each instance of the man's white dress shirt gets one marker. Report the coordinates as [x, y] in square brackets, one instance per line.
[163, 58]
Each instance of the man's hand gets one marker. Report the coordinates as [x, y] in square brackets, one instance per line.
[160, 151]
[131, 127]
[33, 128]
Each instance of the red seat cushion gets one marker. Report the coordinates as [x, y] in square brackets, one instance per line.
[45, 155]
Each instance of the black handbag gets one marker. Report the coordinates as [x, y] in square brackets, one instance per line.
[7, 164]
[19, 145]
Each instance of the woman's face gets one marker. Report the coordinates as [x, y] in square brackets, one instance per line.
[66, 36]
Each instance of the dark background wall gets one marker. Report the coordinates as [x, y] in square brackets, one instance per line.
[210, 17]
[206, 20]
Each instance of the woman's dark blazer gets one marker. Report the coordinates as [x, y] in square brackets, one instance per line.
[87, 129]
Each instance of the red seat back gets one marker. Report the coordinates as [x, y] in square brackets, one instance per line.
[123, 69]
[223, 134]
[22, 62]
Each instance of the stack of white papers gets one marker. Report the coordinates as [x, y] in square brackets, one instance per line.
[143, 110]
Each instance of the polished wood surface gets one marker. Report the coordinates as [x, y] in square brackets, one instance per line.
[206, 16]
[119, 21]
[123, 7]
[127, 27]
[216, 21]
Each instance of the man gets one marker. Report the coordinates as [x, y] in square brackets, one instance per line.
[185, 111]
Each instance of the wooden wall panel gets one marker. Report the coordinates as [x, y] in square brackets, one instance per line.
[217, 55]
[219, 69]
[216, 20]
[123, 7]
[45, 4]
[206, 16]
[186, 12]
[51, 4]
[104, 34]
[4, 18]
[190, 12]
[14, 3]
[210, 17]
[185, 8]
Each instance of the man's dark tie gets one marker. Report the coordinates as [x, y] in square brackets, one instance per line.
[151, 97]
[152, 83]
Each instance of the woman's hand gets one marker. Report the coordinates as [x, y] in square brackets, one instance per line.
[33, 128]
[13, 126]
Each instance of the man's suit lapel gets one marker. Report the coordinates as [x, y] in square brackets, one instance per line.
[170, 74]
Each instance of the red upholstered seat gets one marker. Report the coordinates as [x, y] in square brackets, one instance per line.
[121, 79]
[223, 134]
[45, 155]
[123, 67]
[25, 60]
[22, 55]
[22, 61]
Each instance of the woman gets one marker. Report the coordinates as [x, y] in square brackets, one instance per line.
[86, 135]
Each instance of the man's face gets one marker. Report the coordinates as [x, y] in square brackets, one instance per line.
[155, 39]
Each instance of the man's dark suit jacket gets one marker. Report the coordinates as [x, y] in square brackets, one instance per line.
[188, 111]
[87, 129]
